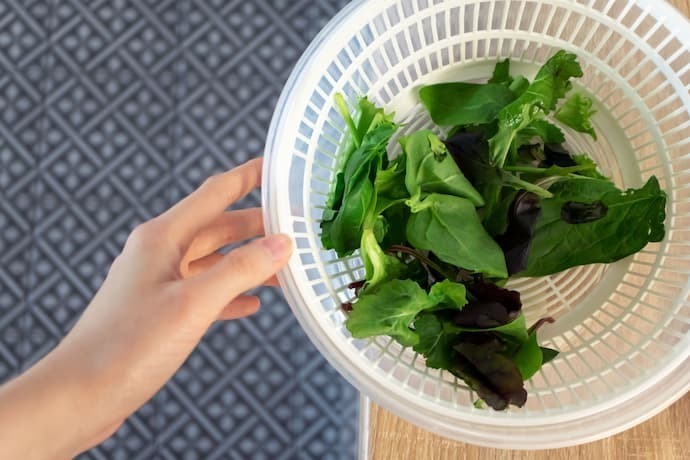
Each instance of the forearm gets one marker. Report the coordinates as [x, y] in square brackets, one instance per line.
[44, 413]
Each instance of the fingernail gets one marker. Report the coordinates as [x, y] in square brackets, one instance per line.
[280, 246]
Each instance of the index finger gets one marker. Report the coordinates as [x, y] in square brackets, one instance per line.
[212, 198]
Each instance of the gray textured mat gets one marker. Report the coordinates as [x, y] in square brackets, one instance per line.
[109, 112]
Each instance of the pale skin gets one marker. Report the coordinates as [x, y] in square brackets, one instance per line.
[163, 292]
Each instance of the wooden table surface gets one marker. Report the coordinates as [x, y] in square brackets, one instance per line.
[664, 437]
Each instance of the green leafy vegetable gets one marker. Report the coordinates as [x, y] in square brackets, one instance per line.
[529, 357]
[451, 104]
[576, 113]
[390, 310]
[436, 339]
[519, 85]
[390, 185]
[449, 227]
[341, 229]
[501, 75]
[448, 294]
[633, 219]
[442, 226]
[430, 169]
[550, 85]
[548, 354]
[591, 167]
[379, 266]
[545, 131]
[516, 330]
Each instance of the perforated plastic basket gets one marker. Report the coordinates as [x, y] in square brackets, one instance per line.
[622, 329]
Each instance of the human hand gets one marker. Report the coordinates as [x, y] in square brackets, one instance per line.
[161, 295]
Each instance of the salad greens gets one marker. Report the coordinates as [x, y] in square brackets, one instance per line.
[443, 226]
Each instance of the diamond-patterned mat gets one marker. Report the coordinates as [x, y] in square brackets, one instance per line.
[110, 111]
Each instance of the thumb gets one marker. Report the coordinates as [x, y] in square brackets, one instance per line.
[244, 268]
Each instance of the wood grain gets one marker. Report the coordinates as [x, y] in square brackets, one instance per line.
[664, 437]
[682, 5]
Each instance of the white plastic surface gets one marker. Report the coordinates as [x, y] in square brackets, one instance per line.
[623, 330]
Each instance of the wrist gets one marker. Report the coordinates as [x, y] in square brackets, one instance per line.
[82, 400]
[43, 404]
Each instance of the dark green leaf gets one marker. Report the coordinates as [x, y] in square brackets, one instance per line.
[576, 113]
[549, 354]
[633, 219]
[519, 85]
[397, 217]
[529, 357]
[362, 153]
[389, 310]
[501, 75]
[343, 231]
[550, 85]
[449, 227]
[543, 130]
[495, 214]
[451, 104]
[430, 169]
[435, 342]
[390, 185]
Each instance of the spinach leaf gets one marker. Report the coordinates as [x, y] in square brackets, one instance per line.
[529, 357]
[549, 354]
[449, 227]
[501, 74]
[551, 84]
[435, 341]
[499, 188]
[633, 219]
[368, 117]
[390, 185]
[545, 131]
[397, 217]
[574, 212]
[341, 228]
[389, 310]
[451, 104]
[430, 169]
[519, 85]
[576, 113]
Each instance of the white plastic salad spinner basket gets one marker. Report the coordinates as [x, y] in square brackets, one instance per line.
[623, 329]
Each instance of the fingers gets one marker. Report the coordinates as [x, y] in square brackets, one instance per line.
[244, 305]
[241, 270]
[195, 267]
[198, 266]
[214, 196]
[228, 227]
[272, 281]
